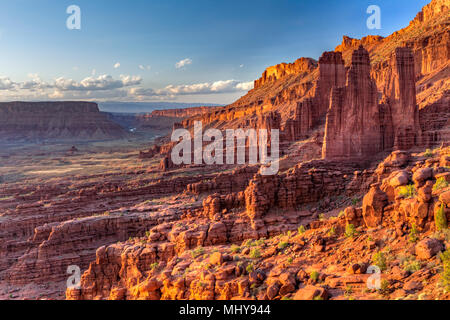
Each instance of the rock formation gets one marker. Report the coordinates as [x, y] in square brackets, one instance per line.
[353, 126]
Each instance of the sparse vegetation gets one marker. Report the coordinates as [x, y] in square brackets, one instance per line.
[283, 245]
[197, 252]
[407, 192]
[379, 259]
[413, 234]
[428, 153]
[440, 219]
[332, 232]
[314, 276]
[154, 266]
[250, 268]
[235, 249]
[445, 275]
[350, 231]
[441, 183]
[412, 265]
[301, 229]
[255, 253]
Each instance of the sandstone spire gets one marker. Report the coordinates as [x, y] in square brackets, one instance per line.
[353, 125]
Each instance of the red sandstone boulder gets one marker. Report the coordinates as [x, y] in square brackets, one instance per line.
[311, 293]
[428, 248]
[373, 206]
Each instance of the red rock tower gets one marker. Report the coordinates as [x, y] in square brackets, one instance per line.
[353, 120]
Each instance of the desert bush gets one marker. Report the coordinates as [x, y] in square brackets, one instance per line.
[441, 183]
[235, 248]
[413, 234]
[407, 192]
[379, 259]
[255, 253]
[250, 268]
[350, 231]
[283, 245]
[445, 275]
[301, 229]
[197, 252]
[428, 153]
[314, 276]
[440, 219]
[332, 232]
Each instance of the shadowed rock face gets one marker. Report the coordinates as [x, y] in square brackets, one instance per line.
[35, 121]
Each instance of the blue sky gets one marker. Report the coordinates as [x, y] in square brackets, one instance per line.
[225, 45]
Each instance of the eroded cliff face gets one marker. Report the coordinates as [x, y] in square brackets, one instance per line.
[353, 126]
[34, 121]
[300, 66]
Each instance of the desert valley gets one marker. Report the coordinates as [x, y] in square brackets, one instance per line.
[363, 187]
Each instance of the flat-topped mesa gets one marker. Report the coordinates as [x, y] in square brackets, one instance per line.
[401, 93]
[353, 120]
[34, 121]
[302, 65]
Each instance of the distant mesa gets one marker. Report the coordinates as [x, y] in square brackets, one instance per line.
[56, 121]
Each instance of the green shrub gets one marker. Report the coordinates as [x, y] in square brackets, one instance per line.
[413, 234]
[197, 252]
[318, 298]
[440, 219]
[332, 232]
[441, 183]
[428, 153]
[255, 253]
[154, 266]
[407, 192]
[445, 276]
[301, 229]
[350, 231]
[314, 276]
[235, 248]
[355, 201]
[283, 245]
[250, 268]
[379, 259]
[412, 266]
[385, 287]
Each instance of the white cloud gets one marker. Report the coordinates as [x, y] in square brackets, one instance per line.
[102, 82]
[117, 65]
[142, 67]
[183, 63]
[222, 86]
[6, 83]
